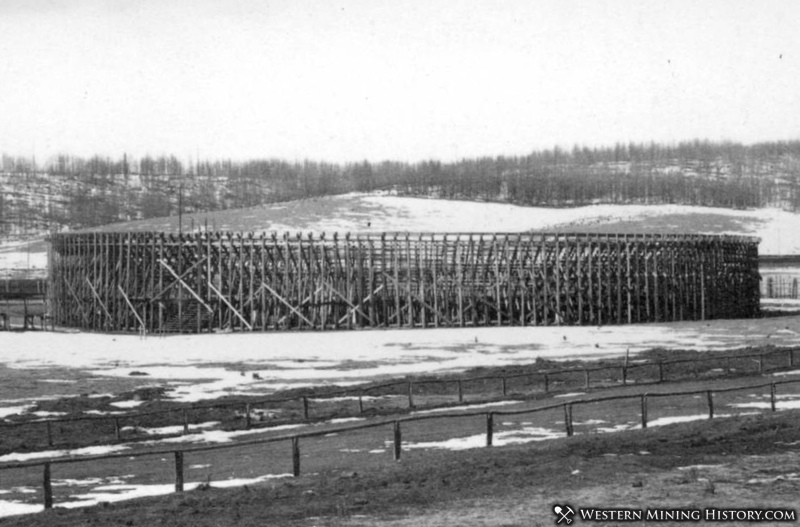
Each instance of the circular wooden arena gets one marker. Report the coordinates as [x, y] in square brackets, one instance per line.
[218, 281]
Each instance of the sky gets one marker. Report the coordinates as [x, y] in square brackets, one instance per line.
[347, 80]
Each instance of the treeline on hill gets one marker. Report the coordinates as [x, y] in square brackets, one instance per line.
[75, 192]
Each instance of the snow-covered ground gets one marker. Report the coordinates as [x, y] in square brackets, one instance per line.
[215, 364]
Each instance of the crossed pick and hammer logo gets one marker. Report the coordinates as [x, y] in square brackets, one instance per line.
[564, 514]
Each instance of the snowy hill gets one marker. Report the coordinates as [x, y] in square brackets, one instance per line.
[382, 212]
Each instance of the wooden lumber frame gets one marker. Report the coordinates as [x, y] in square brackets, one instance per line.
[401, 280]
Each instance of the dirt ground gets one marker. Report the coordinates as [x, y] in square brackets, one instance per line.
[749, 461]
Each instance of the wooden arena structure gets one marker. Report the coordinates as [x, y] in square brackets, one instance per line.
[154, 282]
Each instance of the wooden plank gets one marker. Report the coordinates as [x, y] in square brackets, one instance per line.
[230, 306]
[287, 304]
[189, 289]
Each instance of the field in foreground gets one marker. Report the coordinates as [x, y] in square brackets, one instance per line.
[746, 461]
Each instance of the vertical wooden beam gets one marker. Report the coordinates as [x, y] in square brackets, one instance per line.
[178, 471]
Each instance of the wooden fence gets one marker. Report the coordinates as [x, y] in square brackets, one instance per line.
[151, 282]
[640, 372]
[396, 426]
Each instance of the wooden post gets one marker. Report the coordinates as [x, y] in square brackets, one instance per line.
[772, 397]
[178, 471]
[397, 441]
[546, 383]
[360, 403]
[489, 428]
[296, 457]
[117, 429]
[460, 392]
[48, 487]
[410, 394]
[568, 418]
[305, 407]
[247, 422]
[644, 411]
[624, 376]
[710, 398]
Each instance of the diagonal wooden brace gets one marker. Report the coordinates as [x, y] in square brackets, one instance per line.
[357, 306]
[423, 302]
[353, 307]
[175, 282]
[287, 304]
[94, 292]
[180, 281]
[141, 322]
[235, 311]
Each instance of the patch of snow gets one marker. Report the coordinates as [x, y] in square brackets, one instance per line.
[42, 413]
[13, 508]
[168, 430]
[511, 437]
[127, 404]
[86, 451]
[122, 492]
[575, 394]
[765, 481]
[14, 410]
[465, 407]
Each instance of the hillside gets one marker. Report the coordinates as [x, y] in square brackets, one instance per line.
[72, 193]
[384, 212]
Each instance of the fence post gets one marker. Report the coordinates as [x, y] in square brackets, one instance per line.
[305, 407]
[49, 434]
[410, 394]
[568, 418]
[694, 366]
[360, 403]
[586, 378]
[397, 441]
[624, 376]
[185, 421]
[296, 457]
[460, 392]
[772, 395]
[48, 487]
[644, 411]
[546, 383]
[178, 471]
[489, 428]
[117, 430]
[505, 390]
[247, 422]
[710, 397]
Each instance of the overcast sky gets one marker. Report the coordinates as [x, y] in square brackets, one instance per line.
[388, 79]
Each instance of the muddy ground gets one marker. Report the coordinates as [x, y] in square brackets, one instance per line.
[739, 462]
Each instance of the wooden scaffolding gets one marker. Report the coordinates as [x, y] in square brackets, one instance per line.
[153, 282]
